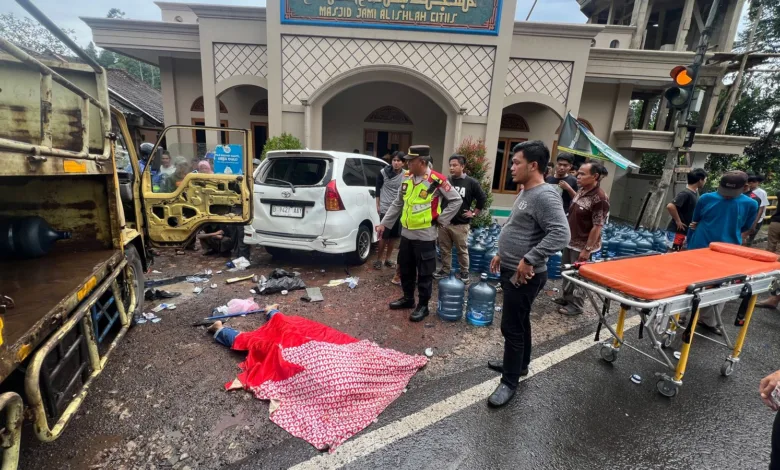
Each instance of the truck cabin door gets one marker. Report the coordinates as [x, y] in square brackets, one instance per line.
[199, 177]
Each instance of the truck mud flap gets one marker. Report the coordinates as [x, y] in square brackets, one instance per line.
[78, 337]
[12, 407]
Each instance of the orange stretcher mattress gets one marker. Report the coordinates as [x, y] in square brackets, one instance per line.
[663, 276]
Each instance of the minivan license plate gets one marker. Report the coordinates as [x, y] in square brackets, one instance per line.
[287, 211]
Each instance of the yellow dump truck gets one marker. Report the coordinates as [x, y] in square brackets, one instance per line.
[66, 158]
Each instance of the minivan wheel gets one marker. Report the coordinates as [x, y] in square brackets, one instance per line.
[362, 246]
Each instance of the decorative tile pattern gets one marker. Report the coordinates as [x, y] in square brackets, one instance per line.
[239, 59]
[463, 70]
[549, 77]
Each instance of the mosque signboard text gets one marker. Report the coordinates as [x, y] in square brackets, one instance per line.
[465, 16]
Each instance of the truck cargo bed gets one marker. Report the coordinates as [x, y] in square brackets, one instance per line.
[44, 291]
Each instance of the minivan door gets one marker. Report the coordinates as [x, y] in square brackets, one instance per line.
[289, 192]
[200, 177]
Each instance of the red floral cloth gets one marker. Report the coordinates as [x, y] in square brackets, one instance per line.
[325, 386]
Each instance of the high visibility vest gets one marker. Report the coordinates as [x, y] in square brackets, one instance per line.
[421, 207]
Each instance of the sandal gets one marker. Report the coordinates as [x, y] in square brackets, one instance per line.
[389, 264]
[377, 265]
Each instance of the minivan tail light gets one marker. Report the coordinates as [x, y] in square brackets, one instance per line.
[332, 198]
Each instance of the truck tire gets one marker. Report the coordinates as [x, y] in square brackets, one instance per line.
[136, 267]
[362, 247]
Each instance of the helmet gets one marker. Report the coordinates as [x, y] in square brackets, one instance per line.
[145, 150]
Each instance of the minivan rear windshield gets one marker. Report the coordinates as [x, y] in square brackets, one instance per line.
[298, 171]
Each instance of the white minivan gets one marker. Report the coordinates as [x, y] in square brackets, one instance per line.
[315, 200]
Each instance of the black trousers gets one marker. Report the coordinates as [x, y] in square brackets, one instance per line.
[417, 262]
[516, 323]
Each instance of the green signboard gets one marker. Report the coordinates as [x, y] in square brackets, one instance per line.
[464, 16]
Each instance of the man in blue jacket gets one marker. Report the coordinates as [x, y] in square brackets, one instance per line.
[722, 216]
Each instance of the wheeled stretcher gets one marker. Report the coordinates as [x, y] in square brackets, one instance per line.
[666, 288]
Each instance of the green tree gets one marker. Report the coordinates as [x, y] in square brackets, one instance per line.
[281, 142]
[478, 168]
[757, 112]
[115, 13]
[28, 33]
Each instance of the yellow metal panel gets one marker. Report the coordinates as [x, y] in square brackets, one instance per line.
[73, 166]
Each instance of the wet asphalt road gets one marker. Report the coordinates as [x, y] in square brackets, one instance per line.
[585, 413]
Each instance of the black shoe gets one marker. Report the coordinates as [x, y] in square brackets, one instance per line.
[402, 303]
[561, 301]
[498, 366]
[440, 274]
[501, 395]
[419, 313]
[465, 278]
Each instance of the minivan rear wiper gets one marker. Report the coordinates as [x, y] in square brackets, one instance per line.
[283, 181]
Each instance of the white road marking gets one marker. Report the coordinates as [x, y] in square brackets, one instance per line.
[408, 425]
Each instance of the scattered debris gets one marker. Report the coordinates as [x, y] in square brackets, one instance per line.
[253, 292]
[196, 279]
[218, 272]
[313, 294]
[174, 280]
[213, 286]
[155, 294]
[497, 309]
[284, 292]
[280, 280]
[233, 280]
[238, 264]
[154, 271]
[160, 308]
[353, 281]
[197, 290]
[636, 378]
[150, 317]
[429, 352]
[677, 355]
[207, 272]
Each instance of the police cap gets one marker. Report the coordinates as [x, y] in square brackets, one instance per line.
[416, 151]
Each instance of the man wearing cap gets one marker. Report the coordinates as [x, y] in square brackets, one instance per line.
[722, 216]
[418, 204]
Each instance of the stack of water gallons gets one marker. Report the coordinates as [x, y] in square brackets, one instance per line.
[554, 266]
[622, 240]
[483, 246]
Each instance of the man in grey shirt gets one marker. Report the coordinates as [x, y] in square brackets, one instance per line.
[418, 204]
[536, 229]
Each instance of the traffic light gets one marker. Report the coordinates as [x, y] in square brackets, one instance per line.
[679, 95]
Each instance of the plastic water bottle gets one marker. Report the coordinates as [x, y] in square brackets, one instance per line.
[488, 258]
[482, 302]
[644, 245]
[455, 264]
[476, 257]
[554, 266]
[451, 294]
[27, 237]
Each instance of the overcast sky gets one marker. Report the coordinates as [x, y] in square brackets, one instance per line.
[66, 14]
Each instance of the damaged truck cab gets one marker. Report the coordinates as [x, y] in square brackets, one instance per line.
[66, 158]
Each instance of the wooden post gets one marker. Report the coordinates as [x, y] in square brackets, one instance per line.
[735, 88]
[685, 26]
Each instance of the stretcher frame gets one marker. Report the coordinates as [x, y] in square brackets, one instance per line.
[662, 318]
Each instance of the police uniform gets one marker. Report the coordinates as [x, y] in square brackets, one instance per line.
[418, 205]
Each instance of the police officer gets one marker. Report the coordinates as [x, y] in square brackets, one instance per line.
[419, 206]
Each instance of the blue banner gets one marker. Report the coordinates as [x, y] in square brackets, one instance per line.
[464, 16]
[229, 159]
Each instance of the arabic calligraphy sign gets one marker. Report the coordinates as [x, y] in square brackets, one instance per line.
[466, 16]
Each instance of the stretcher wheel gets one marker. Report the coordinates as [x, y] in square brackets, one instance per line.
[727, 368]
[667, 342]
[666, 388]
[608, 353]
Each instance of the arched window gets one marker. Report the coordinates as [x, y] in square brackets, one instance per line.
[388, 115]
[514, 122]
[614, 44]
[260, 108]
[197, 106]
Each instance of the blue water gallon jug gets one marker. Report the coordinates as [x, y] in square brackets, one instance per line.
[644, 245]
[451, 295]
[554, 266]
[482, 303]
[455, 264]
[488, 258]
[626, 247]
[476, 258]
[659, 243]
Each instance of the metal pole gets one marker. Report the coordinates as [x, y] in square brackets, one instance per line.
[531, 11]
[652, 217]
[56, 31]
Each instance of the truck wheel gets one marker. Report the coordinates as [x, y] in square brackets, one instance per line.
[362, 247]
[136, 272]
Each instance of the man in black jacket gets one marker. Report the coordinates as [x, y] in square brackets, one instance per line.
[458, 231]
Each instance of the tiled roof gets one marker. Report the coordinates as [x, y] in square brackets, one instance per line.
[133, 93]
